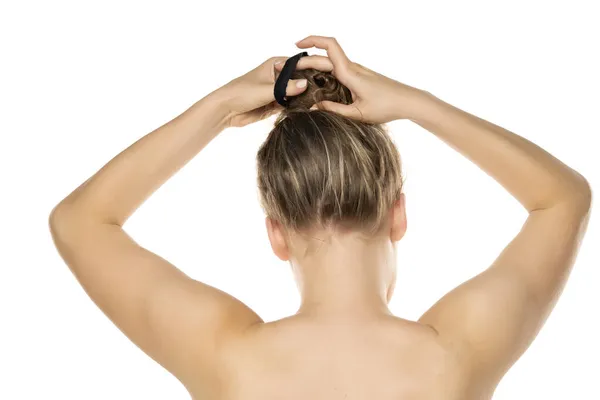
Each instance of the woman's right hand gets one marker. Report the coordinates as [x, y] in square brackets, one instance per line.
[377, 98]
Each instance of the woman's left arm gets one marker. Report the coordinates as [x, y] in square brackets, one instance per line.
[176, 320]
[113, 193]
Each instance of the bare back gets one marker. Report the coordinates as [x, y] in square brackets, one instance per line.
[297, 358]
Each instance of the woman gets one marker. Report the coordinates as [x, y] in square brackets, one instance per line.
[331, 186]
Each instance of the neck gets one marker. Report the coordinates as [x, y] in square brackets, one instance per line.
[346, 277]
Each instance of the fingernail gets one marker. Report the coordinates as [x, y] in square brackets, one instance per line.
[301, 83]
[278, 62]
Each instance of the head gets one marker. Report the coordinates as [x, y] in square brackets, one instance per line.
[331, 188]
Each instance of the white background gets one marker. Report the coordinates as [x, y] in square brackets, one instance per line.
[81, 81]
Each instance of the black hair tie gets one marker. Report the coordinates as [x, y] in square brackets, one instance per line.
[284, 77]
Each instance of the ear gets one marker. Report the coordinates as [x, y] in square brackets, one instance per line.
[398, 228]
[277, 239]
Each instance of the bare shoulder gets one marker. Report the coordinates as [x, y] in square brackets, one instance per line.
[386, 355]
[492, 318]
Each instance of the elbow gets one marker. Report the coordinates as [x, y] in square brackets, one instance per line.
[60, 220]
[62, 229]
[56, 219]
[574, 195]
[67, 220]
[580, 196]
[584, 193]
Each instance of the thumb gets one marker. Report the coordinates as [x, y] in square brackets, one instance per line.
[347, 110]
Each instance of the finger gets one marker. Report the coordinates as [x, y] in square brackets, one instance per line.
[347, 110]
[277, 60]
[320, 63]
[277, 63]
[295, 87]
[333, 48]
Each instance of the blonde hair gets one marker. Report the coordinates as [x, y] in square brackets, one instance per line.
[319, 169]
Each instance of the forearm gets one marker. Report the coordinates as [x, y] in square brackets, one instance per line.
[113, 193]
[533, 176]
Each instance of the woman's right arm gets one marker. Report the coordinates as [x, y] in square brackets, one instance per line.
[533, 176]
[488, 321]
[495, 316]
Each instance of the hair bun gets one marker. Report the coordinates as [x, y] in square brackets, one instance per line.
[320, 86]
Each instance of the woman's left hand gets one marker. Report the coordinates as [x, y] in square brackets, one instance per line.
[249, 98]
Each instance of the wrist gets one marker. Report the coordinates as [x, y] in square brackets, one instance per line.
[426, 107]
[216, 105]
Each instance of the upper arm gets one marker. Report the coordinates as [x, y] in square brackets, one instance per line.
[493, 318]
[176, 320]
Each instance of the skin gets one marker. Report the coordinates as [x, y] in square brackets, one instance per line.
[344, 343]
